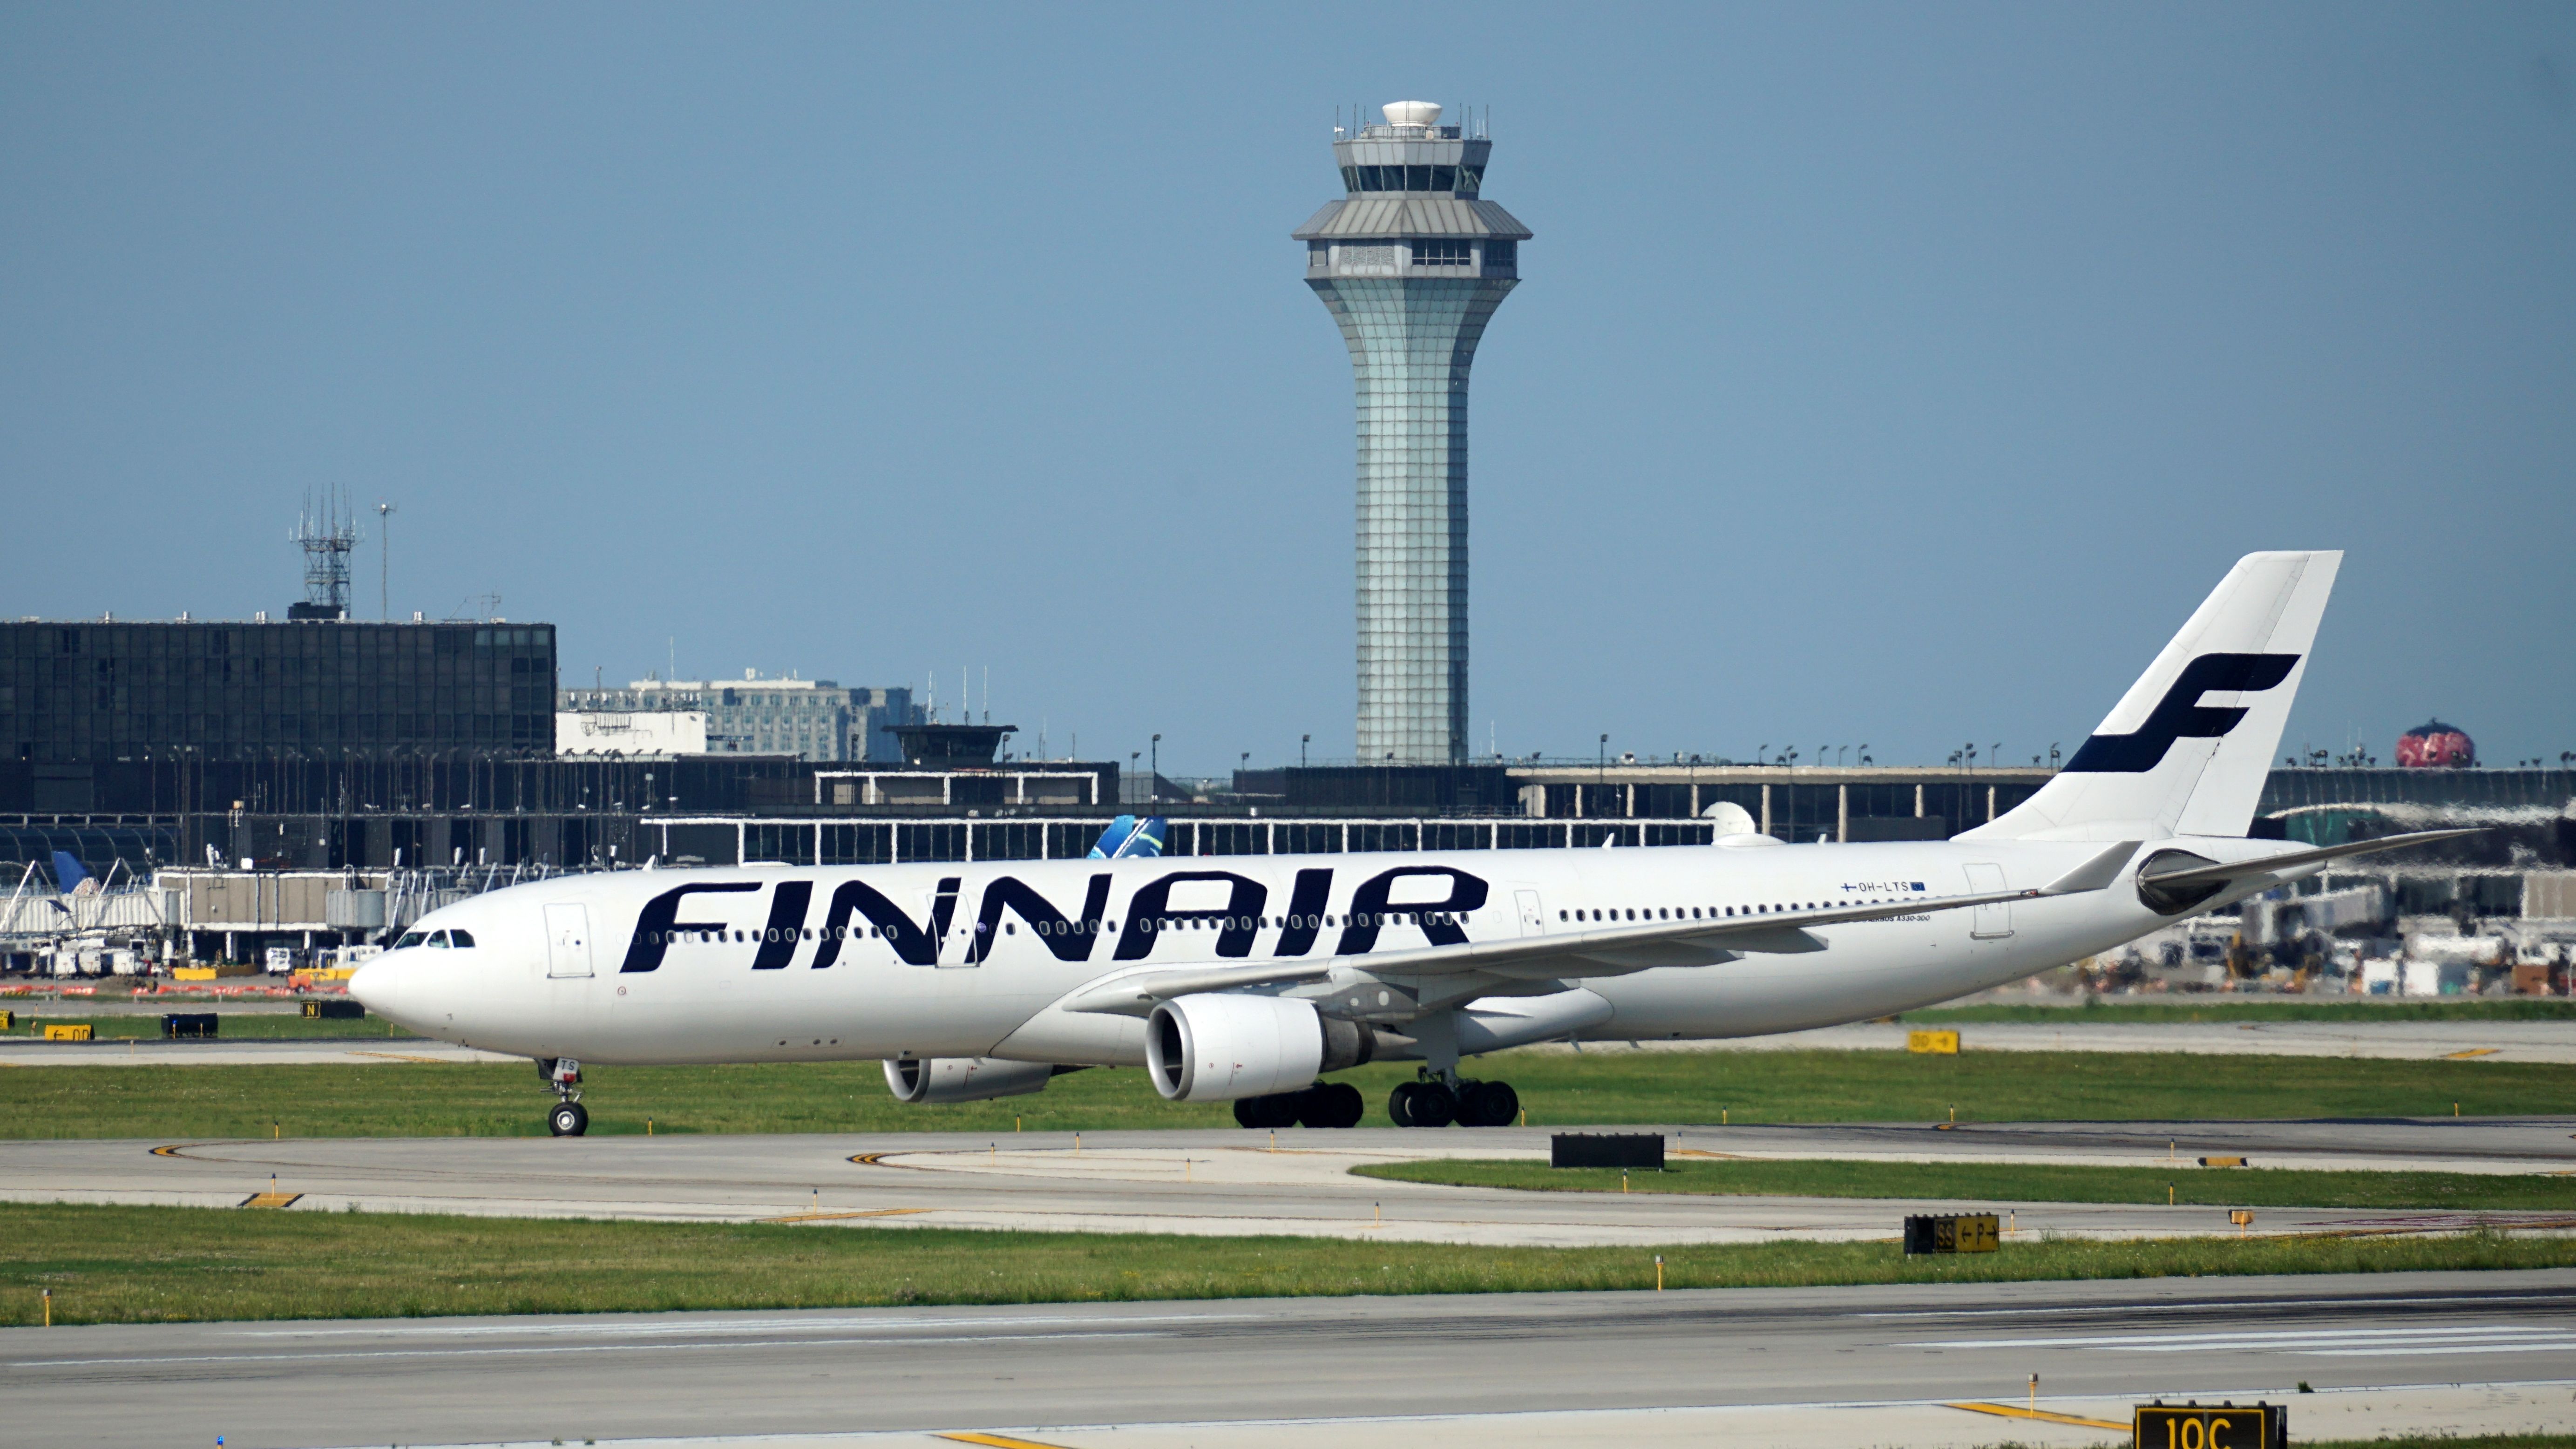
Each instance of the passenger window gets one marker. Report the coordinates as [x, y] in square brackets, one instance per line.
[461, 938]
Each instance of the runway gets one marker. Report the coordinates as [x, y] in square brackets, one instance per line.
[2083, 1031]
[1240, 1183]
[2463, 1353]
[2491, 1041]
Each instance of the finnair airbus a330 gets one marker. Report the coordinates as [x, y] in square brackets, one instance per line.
[1245, 979]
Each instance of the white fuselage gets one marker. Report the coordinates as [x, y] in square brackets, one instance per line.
[810, 963]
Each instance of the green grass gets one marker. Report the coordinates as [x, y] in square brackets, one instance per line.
[2446, 1441]
[2012, 1183]
[231, 1026]
[159, 1264]
[1597, 1087]
[2114, 1011]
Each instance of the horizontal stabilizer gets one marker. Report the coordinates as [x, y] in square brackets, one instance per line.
[2096, 873]
[2200, 875]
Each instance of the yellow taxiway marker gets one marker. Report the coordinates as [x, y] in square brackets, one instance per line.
[2012, 1411]
[834, 1217]
[997, 1441]
[2471, 1052]
[270, 1199]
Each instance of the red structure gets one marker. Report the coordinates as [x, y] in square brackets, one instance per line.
[2434, 745]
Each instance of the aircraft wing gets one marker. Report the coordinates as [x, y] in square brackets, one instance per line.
[1574, 955]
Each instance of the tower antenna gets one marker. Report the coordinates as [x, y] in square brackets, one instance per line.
[326, 534]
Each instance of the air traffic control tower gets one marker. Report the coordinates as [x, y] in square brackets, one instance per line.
[1412, 262]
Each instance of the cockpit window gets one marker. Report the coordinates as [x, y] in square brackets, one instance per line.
[409, 940]
[461, 939]
[438, 940]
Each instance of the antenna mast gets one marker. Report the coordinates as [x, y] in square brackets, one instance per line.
[326, 535]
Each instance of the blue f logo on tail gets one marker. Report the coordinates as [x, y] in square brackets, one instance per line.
[2181, 716]
[1129, 838]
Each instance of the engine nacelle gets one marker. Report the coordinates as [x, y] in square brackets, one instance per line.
[1217, 1048]
[964, 1079]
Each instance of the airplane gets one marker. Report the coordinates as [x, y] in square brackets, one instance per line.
[1251, 979]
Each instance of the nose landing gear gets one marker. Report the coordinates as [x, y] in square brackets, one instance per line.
[569, 1118]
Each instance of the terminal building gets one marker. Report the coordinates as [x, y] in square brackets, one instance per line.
[816, 720]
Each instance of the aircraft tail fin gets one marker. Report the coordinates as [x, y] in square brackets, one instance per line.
[68, 872]
[2187, 749]
[1129, 838]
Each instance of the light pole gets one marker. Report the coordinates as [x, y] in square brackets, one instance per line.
[1154, 781]
[384, 562]
[1302, 742]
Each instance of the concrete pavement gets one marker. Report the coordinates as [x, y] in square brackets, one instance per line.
[1241, 1183]
[2465, 1353]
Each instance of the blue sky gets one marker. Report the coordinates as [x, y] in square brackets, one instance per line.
[1886, 374]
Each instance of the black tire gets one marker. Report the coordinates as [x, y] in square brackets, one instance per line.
[1488, 1104]
[1279, 1109]
[569, 1119]
[1433, 1105]
[1399, 1104]
[1344, 1104]
[1331, 1104]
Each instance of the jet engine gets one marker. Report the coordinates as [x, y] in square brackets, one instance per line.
[1218, 1048]
[966, 1079]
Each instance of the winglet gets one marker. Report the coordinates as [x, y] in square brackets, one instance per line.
[2094, 874]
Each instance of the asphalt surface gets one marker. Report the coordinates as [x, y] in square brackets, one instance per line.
[1808, 1363]
[1235, 1182]
[2500, 1041]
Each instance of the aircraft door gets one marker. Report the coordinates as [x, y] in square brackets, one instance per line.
[954, 947]
[1533, 918]
[567, 940]
[1993, 922]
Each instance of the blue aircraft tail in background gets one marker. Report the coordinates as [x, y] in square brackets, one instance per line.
[1129, 838]
[68, 873]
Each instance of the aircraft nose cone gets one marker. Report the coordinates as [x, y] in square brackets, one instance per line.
[389, 987]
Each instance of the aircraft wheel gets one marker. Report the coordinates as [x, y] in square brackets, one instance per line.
[569, 1119]
[1488, 1104]
[1338, 1104]
[1399, 1104]
[1432, 1105]
[1276, 1110]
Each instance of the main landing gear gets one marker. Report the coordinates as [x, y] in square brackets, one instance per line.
[1435, 1102]
[1325, 1104]
[569, 1118]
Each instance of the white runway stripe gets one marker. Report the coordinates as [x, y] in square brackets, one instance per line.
[2355, 1339]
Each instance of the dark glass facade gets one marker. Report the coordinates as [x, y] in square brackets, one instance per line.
[88, 692]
